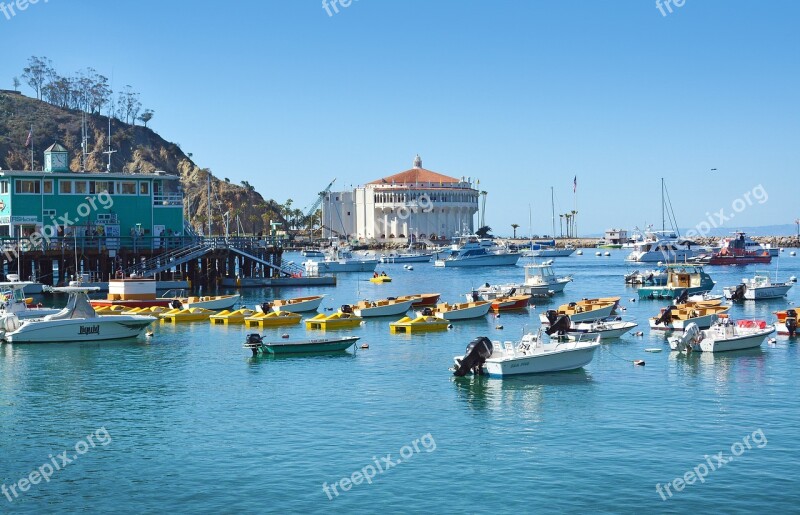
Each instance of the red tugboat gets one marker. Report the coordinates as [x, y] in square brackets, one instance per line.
[735, 252]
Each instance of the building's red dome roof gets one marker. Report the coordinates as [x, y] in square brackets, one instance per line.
[416, 175]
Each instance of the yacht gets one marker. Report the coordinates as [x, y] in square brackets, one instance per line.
[664, 246]
[340, 260]
[77, 322]
[540, 281]
[474, 251]
[750, 245]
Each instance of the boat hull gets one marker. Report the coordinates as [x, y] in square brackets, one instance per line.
[664, 292]
[301, 306]
[336, 267]
[218, 303]
[703, 322]
[422, 258]
[485, 260]
[318, 346]
[585, 316]
[768, 292]
[735, 343]
[558, 361]
[397, 308]
[477, 311]
[81, 330]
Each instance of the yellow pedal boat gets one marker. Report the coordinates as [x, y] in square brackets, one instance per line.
[419, 324]
[380, 279]
[152, 311]
[174, 316]
[231, 317]
[273, 319]
[110, 310]
[338, 320]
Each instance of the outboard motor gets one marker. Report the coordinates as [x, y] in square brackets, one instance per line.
[683, 297]
[649, 278]
[266, 307]
[666, 316]
[478, 351]
[253, 343]
[738, 293]
[346, 308]
[176, 304]
[560, 326]
[512, 292]
[475, 296]
[791, 322]
[552, 315]
[427, 312]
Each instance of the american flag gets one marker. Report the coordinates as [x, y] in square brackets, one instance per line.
[575, 184]
[30, 137]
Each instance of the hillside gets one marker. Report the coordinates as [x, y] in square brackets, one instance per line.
[139, 150]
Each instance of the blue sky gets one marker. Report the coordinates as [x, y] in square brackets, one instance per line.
[522, 95]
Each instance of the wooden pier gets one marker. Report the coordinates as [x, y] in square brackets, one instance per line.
[55, 261]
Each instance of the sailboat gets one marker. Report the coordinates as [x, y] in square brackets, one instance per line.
[665, 245]
[548, 249]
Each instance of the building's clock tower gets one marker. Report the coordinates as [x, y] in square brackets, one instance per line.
[56, 159]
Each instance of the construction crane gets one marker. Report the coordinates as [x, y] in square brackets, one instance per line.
[313, 209]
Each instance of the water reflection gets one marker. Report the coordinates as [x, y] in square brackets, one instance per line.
[749, 365]
[522, 393]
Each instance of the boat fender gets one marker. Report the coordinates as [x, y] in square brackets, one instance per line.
[284, 335]
[365, 346]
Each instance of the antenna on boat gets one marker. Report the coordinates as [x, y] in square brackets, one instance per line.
[553, 209]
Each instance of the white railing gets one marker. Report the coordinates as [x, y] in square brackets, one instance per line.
[168, 199]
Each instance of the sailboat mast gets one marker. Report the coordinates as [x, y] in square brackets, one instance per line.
[663, 226]
[553, 209]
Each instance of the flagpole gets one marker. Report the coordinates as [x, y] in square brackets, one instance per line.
[575, 207]
[31, 133]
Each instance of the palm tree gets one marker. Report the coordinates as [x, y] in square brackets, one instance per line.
[574, 231]
[560, 225]
[514, 226]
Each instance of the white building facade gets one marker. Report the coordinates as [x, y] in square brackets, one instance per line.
[416, 204]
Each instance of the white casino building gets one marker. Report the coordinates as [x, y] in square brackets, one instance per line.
[417, 204]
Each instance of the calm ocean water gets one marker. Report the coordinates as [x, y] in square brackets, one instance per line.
[192, 423]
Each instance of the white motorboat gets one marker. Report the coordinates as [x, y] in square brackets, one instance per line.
[664, 246]
[407, 257]
[463, 311]
[723, 336]
[13, 301]
[758, 288]
[550, 252]
[340, 260]
[474, 251]
[77, 322]
[296, 305]
[606, 328]
[535, 353]
[309, 253]
[540, 278]
[381, 308]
